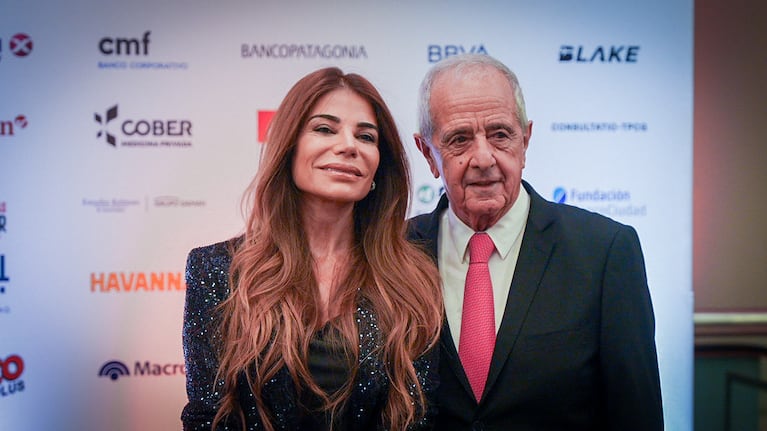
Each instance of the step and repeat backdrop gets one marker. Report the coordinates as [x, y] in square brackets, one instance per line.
[129, 131]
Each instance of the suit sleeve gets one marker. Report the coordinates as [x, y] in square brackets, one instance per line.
[627, 353]
[199, 355]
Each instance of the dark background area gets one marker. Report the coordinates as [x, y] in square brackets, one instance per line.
[730, 156]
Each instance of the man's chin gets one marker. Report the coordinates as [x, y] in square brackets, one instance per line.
[485, 206]
[481, 214]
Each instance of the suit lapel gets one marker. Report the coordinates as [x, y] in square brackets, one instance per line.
[534, 253]
[426, 230]
[450, 351]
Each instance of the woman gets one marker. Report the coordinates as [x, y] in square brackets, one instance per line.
[322, 315]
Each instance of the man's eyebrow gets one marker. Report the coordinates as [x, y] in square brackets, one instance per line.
[500, 125]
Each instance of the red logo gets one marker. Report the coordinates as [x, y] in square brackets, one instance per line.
[7, 126]
[21, 45]
[20, 121]
[11, 368]
[264, 118]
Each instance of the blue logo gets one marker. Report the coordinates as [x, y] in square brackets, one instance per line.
[3, 220]
[3, 278]
[436, 53]
[114, 369]
[598, 54]
[560, 195]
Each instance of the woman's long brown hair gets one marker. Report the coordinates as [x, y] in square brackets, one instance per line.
[273, 311]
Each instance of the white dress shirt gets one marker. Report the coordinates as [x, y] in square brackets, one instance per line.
[453, 257]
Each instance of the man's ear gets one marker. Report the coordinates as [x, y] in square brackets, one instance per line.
[427, 152]
[529, 133]
[527, 141]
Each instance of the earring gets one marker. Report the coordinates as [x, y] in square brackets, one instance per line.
[372, 186]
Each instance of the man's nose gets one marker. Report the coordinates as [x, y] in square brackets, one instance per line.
[483, 155]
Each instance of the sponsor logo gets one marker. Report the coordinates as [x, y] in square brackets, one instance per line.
[599, 127]
[114, 370]
[124, 205]
[435, 53]
[10, 127]
[114, 205]
[20, 45]
[427, 193]
[109, 115]
[612, 203]
[282, 51]
[118, 49]
[4, 282]
[3, 219]
[598, 54]
[144, 133]
[560, 195]
[11, 370]
[135, 282]
[169, 201]
[125, 45]
[264, 119]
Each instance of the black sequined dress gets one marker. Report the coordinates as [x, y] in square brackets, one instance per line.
[207, 274]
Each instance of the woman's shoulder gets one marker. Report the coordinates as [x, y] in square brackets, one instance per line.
[218, 253]
[207, 269]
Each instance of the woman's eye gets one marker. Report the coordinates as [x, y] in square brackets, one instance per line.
[323, 129]
[368, 138]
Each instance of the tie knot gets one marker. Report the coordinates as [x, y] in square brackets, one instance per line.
[480, 247]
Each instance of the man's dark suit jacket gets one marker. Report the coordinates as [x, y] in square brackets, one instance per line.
[575, 349]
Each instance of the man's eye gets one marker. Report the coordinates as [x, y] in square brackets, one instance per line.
[458, 140]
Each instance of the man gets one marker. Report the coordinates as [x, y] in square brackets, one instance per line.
[559, 335]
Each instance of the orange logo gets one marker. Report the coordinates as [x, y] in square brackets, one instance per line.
[119, 282]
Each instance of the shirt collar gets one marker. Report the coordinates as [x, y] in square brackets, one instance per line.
[503, 233]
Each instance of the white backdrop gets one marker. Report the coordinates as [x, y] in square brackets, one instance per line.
[93, 236]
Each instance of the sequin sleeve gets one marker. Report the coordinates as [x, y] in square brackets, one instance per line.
[207, 285]
[426, 368]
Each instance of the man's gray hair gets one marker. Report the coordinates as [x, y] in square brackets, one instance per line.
[460, 64]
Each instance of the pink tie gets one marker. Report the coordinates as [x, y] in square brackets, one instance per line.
[477, 337]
